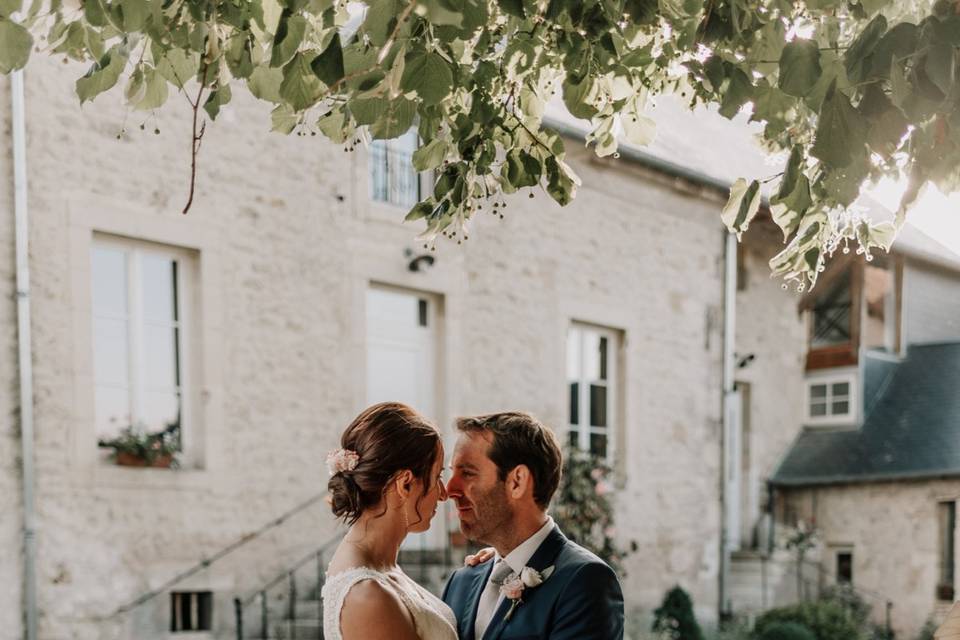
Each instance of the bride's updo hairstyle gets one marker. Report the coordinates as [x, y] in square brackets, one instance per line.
[387, 438]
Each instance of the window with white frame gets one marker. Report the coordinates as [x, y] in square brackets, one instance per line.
[138, 300]
[830, 399]
[592, 383]
[392, 177]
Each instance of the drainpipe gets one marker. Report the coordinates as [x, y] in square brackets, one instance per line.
[24, 361]
[729, 396]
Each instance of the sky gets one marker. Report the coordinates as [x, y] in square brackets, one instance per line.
[936, 215]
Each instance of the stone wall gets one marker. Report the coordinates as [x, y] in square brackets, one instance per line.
[891, 528]
[931, 303]
[287, 244]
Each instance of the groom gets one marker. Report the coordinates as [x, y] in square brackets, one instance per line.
[506, 468]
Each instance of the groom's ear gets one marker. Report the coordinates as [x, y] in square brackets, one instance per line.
[519, 481]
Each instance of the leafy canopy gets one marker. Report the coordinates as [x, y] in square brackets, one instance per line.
[850, 90]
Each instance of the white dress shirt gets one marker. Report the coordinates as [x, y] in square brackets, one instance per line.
[516, 560]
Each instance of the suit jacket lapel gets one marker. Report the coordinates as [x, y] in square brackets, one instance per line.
[542, 558]
[479, 578]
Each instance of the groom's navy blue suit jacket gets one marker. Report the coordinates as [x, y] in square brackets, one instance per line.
[580, 600]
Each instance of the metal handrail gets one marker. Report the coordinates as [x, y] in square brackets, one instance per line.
[207, 562]
[286, 572]
[288, 575]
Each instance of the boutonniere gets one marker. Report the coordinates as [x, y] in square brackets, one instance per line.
[513, 587]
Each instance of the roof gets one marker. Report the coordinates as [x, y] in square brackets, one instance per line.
[731, 151]
[911, 429]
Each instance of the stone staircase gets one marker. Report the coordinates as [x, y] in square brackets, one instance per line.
[430, 569]
[759, 581]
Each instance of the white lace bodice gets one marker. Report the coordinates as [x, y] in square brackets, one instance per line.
[431, 615]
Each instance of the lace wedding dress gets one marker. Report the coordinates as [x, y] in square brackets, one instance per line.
[434, 620]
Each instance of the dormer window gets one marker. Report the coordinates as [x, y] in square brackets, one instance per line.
[832, 315]
[831, 399]
[880, 307]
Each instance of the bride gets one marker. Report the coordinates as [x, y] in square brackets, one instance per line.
[385, 483]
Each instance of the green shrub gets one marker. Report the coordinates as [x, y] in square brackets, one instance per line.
[929, 628]
[674, 618]
[787, 631]
[827, 619]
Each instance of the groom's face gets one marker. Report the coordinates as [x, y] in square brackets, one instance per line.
[481, 497]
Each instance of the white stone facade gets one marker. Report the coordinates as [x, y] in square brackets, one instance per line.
[286, 243]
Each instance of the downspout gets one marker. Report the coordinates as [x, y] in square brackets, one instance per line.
[24, 361]
[729, 396]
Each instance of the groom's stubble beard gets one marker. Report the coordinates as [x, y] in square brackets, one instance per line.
[493, 517]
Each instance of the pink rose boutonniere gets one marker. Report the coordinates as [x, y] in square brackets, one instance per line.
[514, 585]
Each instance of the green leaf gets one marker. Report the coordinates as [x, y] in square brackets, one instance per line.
[941, 66]
[95, 13]
[579, 97]
[886, 131]
[380, 20]
[154, 91]
[857, 60]
[283, 119]
[102, 75]
[638, 129]
[395, 121]
[562, 182]
[799, 67]
[738, 92]
[328, 66]
[264, 83]
[334, 125]
[135, 13]
[419, 210]
[15, 45]
[843, 184]
[441, 12]
[239, 57]
[367, 110]
[8, 7]
[176, 65]
[899, 42]
[216, 100]
[287, 41]
[431, 155]
[512, 8]
[742, 206]
[300, 87]
[841, 131]
[429, 75]
[793, 196]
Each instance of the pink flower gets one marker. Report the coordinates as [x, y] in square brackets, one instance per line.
[340, 460]
[602, 488]
[610, 531]
[512, 588]
[596, 474]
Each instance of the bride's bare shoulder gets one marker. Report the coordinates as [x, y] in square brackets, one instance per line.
[371, 610]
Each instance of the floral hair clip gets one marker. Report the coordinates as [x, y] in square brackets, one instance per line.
[340, 460]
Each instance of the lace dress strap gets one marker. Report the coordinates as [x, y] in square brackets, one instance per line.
[335, 591]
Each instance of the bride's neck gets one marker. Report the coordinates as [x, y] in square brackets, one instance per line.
[377, 539]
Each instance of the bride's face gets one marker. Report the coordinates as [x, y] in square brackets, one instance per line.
[427, 504]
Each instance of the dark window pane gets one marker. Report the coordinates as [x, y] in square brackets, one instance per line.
[831, 316]
[841, 408]
[573, 439]
[841, 389]
[818, 391]
[574, 403]
[845, 567]
[598, 406]
[818, 409]
[598, 444]
[422, 311]
[603, 358]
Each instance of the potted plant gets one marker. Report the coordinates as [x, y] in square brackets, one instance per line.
[134, 447]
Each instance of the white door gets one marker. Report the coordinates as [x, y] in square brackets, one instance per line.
[402, 349]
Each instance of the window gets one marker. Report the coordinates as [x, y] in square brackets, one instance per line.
[392, 177]
[832, 316]
[830, 400]
[138, 309]
[947, 526]
[191, 611]
[592, 383]
[844, 567]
